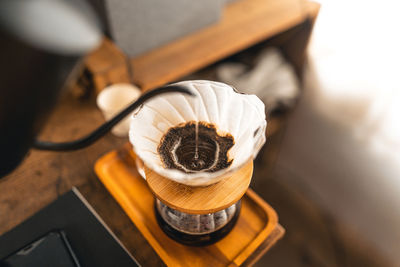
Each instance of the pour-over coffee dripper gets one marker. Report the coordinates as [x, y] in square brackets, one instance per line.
[197, 154]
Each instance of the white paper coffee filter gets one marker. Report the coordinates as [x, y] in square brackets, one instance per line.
[241, 115]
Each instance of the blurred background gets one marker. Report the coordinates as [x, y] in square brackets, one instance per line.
[331, 164]
[339, 161]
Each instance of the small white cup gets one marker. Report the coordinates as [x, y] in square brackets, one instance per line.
[113, 99]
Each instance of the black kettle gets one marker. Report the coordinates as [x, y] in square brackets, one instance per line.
[42, 43]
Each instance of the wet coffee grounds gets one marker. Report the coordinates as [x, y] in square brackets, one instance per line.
[178, 147]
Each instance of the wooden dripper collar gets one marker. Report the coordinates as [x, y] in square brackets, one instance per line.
[197, 199]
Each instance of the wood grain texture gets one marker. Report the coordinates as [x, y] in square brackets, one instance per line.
[257, 222]
[275, 235]
[243, 24]
[107, 56]
[43, 176]
[201, 199]
[104, 65]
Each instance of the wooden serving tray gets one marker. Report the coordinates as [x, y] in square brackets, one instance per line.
[256, 231]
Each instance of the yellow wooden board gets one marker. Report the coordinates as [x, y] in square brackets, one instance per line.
[256, 231]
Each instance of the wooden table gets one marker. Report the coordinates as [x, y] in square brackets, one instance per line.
[44, 176]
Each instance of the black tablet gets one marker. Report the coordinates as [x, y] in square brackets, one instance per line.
[49, 250]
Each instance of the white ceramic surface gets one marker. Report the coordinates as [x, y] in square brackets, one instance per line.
[113, 99]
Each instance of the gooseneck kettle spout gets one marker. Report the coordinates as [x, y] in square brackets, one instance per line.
[107, 126]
